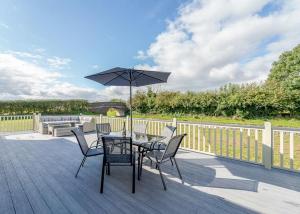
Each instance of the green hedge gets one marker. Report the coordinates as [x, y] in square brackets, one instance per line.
[278, 96]
[43, 106]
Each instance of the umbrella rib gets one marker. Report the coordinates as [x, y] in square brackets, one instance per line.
[142, 72]
[118, 75]
[138, 76]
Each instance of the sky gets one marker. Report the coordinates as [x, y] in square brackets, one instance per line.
[47, 47]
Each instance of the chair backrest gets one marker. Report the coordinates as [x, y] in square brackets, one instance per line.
[140, 128]
[103, 129]
[117, 149]
[81, 140]
[173, 146]
[168, 133]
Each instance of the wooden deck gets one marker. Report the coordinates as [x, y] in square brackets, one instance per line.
[37, 176]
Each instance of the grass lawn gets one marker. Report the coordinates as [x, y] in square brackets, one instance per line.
[289, 122]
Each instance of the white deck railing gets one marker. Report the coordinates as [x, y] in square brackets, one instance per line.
[286, 148]
[15, 123]
[263, 145]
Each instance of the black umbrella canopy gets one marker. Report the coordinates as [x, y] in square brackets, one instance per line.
[129, 77]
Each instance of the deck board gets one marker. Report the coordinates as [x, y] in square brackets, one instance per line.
[6, 203]
[37, 176]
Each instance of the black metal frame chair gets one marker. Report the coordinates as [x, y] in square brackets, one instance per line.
[102, 129]
[168, 133]
[140, 128]
[84, 148]
[159, 157]
[122, 155]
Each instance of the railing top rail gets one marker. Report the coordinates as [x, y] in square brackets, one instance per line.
[154, 120]
[148, 119]
[14, 115]
[286, 129]
[230, 125]
[222, 125]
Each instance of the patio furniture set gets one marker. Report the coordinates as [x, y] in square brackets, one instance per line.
[59, 126]
[119, 149]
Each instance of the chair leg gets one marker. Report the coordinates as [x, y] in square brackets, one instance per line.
[161, 176]
[133, 176]
[150, 161]
[83, 159]
[141, 165]
[107, 169]
[177, 168]
[82, 164]
[102, 176]
[171, 161]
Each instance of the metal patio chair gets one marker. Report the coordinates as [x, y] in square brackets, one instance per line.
[84, 148]
[140, 128]
[122, 155]
[102, 129]
[168, 133]
[162, 156]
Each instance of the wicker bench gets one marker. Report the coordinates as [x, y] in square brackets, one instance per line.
[62, 131]
[52, 127]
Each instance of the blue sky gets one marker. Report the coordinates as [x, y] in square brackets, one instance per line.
[47, 47]
[103, 33]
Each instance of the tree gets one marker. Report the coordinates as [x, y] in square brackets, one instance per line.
[284, 82]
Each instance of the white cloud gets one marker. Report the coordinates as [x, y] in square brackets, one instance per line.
[40, 50]
[58, 63]
[141, 55]
[25, 54]
[214, 42]
[20, 79]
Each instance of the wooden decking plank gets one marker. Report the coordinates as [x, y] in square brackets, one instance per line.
[36, 200]
[65, 185]
[68, 201]
[6, 203]
[20, 200]
[45, 190]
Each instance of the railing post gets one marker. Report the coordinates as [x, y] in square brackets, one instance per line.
[100, 118]
[267, 146]
[38, 118]
[34, 121]
[174, 124]
[127, 123]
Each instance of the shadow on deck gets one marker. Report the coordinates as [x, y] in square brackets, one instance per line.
[37, 176]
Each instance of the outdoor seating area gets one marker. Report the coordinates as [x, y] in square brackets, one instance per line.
[167, 107]
[62, 125]
[38, 176]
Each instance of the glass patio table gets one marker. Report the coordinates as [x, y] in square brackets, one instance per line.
[140, 140]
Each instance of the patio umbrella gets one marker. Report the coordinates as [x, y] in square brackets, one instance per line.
[129, 77]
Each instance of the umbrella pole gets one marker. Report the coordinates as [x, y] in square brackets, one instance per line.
[130, 94]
